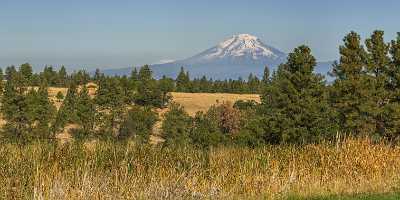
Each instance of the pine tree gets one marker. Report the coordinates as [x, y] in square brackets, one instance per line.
[393, 107]
[166, 86]
[378, 66]
[109, 101]
[26, 72]
[14, 110]
[182, 81]
[138, 123]
[85, 110]
[266, 75]
[41, 112]
[351, 90]
[148, 93]
[176, 126]
[295, 103]
[67, 112]
[10, 73]
[62, 77]
[1, 82]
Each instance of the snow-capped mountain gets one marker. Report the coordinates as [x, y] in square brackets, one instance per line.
[235, 57]
[238, 50]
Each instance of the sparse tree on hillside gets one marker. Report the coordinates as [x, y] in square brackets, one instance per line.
[40, 112]
[109, 101]
[85, 110]
[67, 112]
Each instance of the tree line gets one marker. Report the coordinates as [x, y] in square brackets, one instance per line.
[297, 106]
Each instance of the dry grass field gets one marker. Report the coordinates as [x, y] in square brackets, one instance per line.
[193, 102]
[130, 171]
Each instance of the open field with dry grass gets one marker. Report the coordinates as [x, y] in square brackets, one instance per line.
[120, 171]
[193, 102]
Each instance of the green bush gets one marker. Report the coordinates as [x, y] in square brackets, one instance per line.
[176, 126]
[206, 132]
[138, 123]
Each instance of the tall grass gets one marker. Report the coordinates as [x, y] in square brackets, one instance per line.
[105, 170]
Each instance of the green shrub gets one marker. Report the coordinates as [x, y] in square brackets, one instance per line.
[138, 123]
[176, 126]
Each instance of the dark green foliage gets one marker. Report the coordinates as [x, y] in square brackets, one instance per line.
[110, 104]
[206, 131]
[245, 105]
[62, 77]
[14, 110]
[1, 82]
[176, 126]
[166, 86]
[60, 96]
[266, 75]
[148, 93]
[26, 72]
[183, 81]
[295, 103]
[10, 73]
[40, 112]
[49, 76]
[85, 110]
[67, 112]
[138, 123]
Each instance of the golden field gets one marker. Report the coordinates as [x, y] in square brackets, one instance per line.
[128, 171]
[193, 102]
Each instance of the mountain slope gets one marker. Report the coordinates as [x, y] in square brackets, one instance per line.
[237, 56]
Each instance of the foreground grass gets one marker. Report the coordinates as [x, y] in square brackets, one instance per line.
[391, 196]
[105, 170]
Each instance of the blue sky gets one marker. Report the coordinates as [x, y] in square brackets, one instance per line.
[116, 34]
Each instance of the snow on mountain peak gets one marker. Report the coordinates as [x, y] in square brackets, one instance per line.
[242, 45]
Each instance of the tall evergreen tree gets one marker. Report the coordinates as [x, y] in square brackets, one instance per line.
[85, 110]
[10, 73]
[26, 72]
[182, 81]
[40, 111]
[62, 77]
[67, 112]
[1, 82]
[266, 75]
[295, 104]
[351, 90]
[148, 93]
[109, 101]
[380, 109]
[14, 110]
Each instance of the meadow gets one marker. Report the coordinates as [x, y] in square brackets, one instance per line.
[108, 170]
